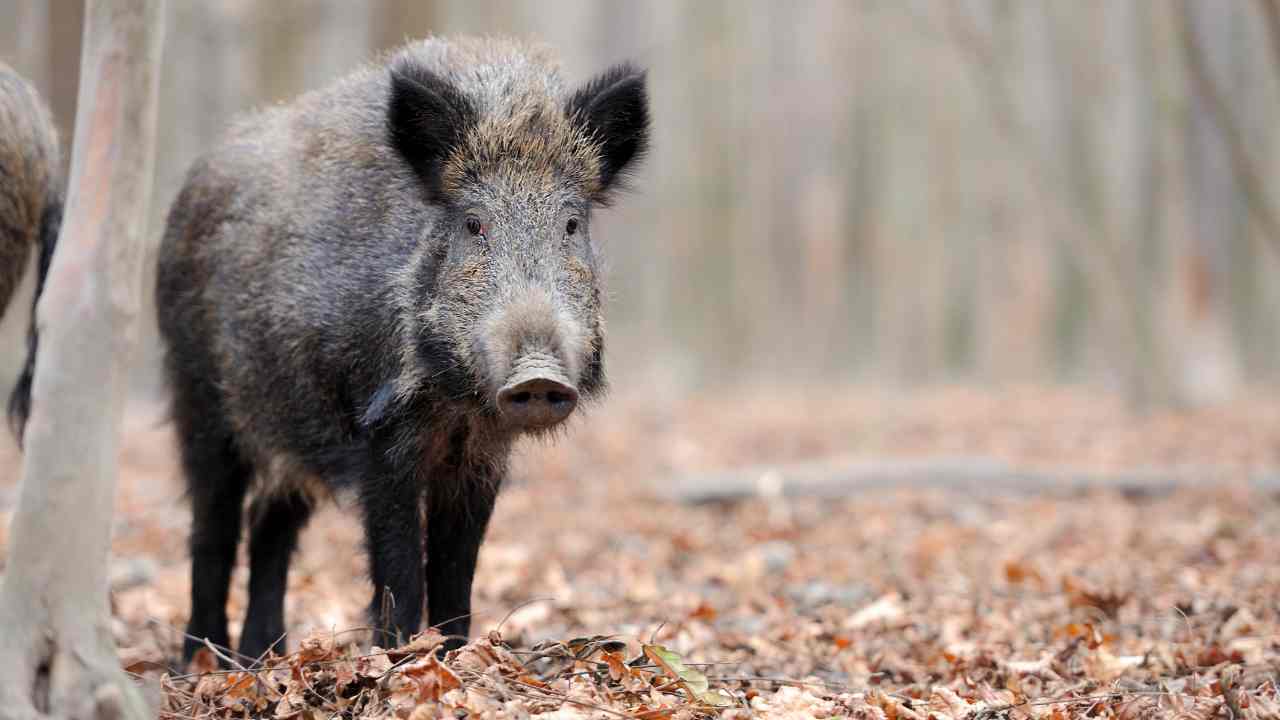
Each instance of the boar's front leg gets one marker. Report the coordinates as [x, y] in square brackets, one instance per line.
[456, 522]
[391, 500]
[217, 481]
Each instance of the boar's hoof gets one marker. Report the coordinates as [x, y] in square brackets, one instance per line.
[536, 403]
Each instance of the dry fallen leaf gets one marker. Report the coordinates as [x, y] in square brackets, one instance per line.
[886, 610]
[692, 680]
[1162, 591]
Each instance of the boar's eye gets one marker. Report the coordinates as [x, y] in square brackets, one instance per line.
[473, 226]
[571, 227]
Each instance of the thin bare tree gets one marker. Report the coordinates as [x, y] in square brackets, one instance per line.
[1132, 343]
[1218, 111]
[55, 641]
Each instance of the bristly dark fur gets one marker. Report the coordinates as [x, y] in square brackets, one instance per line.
[614, 107]
[30, 209]
[427, 117]
[345, 287]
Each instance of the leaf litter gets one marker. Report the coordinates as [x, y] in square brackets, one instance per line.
[599, 598]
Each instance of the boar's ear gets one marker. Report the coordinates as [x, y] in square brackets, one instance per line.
[427, 116]
[614, 109]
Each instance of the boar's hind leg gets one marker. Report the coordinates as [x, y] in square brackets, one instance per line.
[217, 478]
[390, 500]
[273, 535]
[455, 528]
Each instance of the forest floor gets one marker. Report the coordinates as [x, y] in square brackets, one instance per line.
[604, 590]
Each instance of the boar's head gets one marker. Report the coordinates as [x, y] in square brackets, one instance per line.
[506, 282]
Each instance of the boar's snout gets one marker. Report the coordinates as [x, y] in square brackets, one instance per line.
[533, 351]
[537, 396]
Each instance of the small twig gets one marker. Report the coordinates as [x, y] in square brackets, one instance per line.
[317, 663]
[671, 683]
[437, 626]
[513, 610]
[1191, 634]
[1115, 694]
[653, 639]
[302, 675]
[463, 638]
[398, 664]
[549, 694]
[384, 614]
[188, 636]
[784, 681]
[214, 649]
[259, 660]
[647, 666]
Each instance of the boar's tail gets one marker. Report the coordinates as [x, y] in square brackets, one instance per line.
[20, 399]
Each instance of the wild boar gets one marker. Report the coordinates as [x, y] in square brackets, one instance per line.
[381, 286]
[31, 199]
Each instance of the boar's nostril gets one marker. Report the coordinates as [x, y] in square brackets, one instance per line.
[536, 403]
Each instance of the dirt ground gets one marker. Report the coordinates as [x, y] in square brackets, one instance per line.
[598, 587]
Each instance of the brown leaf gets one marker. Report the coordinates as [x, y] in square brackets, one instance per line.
[658, 713]
[531, 680]
[430, 678]
[703, 612]
[315, 649]
[617, 667]
[1105, 667]
[422, 643]
[1018, 572]
[139, 667]
[1108, 602]
[238, 685]
[203, 661]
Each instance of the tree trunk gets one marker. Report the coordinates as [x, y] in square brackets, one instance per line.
[55, 643]
[1211, 367]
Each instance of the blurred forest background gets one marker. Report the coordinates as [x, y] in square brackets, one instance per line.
[840, 191]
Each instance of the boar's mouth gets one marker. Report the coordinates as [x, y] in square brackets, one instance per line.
[537, 394]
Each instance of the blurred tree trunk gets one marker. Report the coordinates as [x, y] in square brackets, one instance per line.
[1067, 154]
[339, 38]
[1253, 331]
[1017, 260]
[28, 33]
[399, 22]
[1211, 366]
[56, 647]
[211, 74]
[755, 222]
[66, 27]
[864, 188]
[1148, 224]
[820, 212]
[1064, 189]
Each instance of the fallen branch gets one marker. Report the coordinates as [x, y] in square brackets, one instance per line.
[840, 477]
